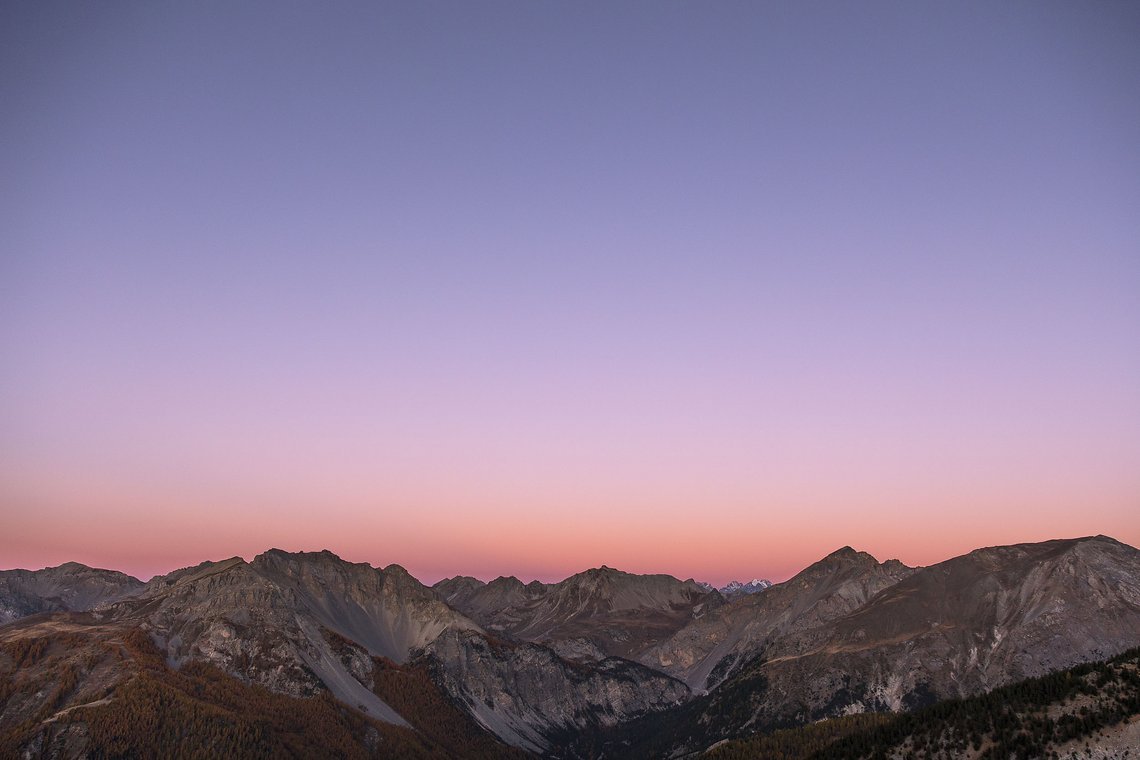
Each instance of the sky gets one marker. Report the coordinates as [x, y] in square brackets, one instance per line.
[709, 289]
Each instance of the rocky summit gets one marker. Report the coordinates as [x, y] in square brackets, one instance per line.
[225, 656]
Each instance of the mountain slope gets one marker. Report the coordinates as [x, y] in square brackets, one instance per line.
[706, 650]
[491, 603]
[69, 587]
[263, 621]
[602, 610]
[969, 624]
[70, 689]
[1094, 704]
[387, 611]
[950, 630]
[530, 697]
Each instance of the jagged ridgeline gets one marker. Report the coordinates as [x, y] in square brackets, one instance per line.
[306, 655]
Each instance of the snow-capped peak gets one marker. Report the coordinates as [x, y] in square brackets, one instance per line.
[753, 586]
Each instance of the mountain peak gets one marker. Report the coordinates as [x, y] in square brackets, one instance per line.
[847, 555]
[593, 576]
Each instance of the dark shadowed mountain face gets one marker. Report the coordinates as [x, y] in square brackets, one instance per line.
[603, 662]
[595, 613]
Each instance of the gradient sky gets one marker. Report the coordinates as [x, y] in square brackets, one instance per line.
[705, 288]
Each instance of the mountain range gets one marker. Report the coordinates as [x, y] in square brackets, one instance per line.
[230, 654]
[736, 588]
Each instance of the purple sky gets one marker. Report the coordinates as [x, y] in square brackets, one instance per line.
[701, 288]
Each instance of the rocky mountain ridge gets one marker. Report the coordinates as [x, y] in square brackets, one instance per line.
[600, 610]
